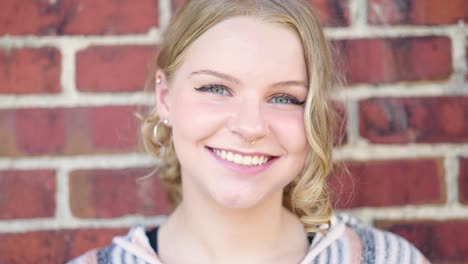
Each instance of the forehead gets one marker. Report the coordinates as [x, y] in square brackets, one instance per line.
[248, 47]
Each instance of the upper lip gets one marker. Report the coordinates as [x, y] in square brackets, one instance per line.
[244, 153]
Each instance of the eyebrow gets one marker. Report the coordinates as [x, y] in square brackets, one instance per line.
[237, 81]
[217, 74]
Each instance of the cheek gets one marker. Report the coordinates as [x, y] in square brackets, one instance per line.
[194, 118]
[290, 131]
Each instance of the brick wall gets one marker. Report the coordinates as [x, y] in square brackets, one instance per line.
[71, 75]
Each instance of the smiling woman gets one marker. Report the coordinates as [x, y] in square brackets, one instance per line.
[244, 125]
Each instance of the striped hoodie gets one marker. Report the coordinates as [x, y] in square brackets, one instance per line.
[347, 241]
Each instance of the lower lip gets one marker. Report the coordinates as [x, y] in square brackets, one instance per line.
[242, 169]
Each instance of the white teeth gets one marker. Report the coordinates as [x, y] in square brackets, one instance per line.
[255, 160]
[237, 159]
[262, 160]
[240, 159]
[247, 160]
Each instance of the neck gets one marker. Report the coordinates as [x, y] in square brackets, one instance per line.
[249, 227]
[218, 233]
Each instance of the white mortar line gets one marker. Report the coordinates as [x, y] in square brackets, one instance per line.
[27, 225]
[165, 11]
[410, 212]
[404, 89]
[364, 152]
[358, 14]
[352, 125]
[451, 179]
[150, 38]
[115, 161]
[459, 44]
[62, 211]
[391, 31]
[75, 100]
[67, 77]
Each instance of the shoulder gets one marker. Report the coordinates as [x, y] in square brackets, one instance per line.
[372, 245]
[348, 241]
[132, 248]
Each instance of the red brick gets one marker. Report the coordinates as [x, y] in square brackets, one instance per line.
[463, 181]
[114, 127]
[113, 68]
[114, 193]
[53, 246]
[40, 131]
[68, 131]
[30, 70]
[417, 12]
[27, 194]
[388, 183]
[377, 61]
[84, 17]
[332, 13]
[439, 241]
[414, 120]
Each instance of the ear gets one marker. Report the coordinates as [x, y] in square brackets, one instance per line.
[162, 95]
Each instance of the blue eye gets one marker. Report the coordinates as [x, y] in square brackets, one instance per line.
[215, 89]
[285, 99]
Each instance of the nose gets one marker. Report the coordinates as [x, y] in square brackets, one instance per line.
[248, 121]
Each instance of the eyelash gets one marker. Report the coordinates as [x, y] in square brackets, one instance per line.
[292, 99]
[210, 87]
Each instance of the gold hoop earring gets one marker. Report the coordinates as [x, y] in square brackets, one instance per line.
[156, 136]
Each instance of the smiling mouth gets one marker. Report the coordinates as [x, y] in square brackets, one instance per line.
[246, 160]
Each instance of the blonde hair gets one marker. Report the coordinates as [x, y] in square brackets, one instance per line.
[307, 195]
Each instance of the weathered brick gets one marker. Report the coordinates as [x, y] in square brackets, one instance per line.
[414, 120]
[68, 131]
[113, 68]
[30, 70]
[114, 127]
[378, 61]
[40, 131]
[332, 13]
[27, 194]
[114, 193]
[439, 241]
[463, 181]
[417, 12]
[84, 17]
[53, 246]
[388, 183]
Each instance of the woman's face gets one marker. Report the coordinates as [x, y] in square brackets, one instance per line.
[236, 110]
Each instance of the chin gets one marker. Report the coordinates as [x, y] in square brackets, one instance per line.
[238, 199]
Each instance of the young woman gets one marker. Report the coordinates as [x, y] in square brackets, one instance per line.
[243, 123]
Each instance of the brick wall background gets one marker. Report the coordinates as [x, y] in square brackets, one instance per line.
[71, 76]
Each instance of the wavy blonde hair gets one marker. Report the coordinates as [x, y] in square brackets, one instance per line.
[307, 195]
